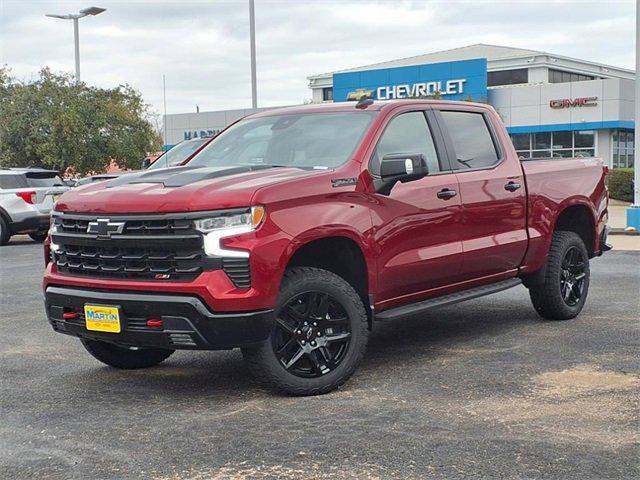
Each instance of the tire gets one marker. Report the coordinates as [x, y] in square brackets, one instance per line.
[4, 232]
[38, 236]
[564, 291]
[124, 358]
[328, 347]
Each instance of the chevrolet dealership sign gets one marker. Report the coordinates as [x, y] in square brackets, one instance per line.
[450, 87]
[453, 80]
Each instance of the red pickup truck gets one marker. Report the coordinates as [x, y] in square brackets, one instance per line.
[293, 231]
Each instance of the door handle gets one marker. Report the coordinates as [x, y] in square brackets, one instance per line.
[512, 186]
[446, 193]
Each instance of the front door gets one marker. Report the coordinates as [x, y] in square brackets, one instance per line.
[416, 229]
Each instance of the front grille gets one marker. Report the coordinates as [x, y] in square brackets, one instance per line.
[129, 262]
[146, 249]
[161, 247]
[165, 226]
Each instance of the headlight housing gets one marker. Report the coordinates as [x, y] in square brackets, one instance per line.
[226, 224]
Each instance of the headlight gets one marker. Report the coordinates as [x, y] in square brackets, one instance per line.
[227, 224]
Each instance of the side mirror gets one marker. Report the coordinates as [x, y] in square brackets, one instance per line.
[400, 167]
[146, 163]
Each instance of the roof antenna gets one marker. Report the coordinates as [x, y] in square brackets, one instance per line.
[364, 102]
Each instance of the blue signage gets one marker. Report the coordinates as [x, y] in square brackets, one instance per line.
[460, 80]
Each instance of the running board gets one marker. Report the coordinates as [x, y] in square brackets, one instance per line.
[420, 307]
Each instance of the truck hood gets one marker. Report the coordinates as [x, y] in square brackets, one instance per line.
[177, 189]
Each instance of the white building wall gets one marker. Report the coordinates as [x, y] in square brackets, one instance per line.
[603, 145]
[528, 105]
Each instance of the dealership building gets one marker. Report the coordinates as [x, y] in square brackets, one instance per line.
[552, 105]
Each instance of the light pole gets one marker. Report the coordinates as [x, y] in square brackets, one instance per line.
[75, 17]
[252, 34]
[633, 213]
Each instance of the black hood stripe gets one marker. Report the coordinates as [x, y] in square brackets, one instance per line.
[181, 176]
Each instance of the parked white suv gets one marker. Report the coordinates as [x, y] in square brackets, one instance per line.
[26, 199]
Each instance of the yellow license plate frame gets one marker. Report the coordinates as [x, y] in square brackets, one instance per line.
[102, 318]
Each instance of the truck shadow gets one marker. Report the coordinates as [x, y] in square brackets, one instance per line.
[443, 333]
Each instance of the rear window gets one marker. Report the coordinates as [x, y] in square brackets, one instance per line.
[469, 132]
[13, 181]
[39, 182]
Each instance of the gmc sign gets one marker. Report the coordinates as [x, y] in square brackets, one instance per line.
[575, 102]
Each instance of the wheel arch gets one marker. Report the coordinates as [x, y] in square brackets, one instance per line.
[341, 252]
[578, 217]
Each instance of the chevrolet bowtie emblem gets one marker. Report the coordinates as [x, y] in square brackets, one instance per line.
[104, 228]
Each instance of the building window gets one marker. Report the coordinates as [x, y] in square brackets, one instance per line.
[561, 144]
[558, 76]
[622, 143]
[327, 94]
[507, 77]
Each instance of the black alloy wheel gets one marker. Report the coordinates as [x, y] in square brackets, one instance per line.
[561, 292]
[313, 334]
[572, 276]
[318, 337]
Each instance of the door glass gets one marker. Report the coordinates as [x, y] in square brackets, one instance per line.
[541, 140]
[585, 138]
[562, 140]
[406, 133]
[472, 142]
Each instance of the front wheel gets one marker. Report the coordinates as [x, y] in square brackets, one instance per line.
[125, 358]
[38, 236]
[319, 335]
[566, 282]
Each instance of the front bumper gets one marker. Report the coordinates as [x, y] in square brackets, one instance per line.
[33, 223]
[187, 322]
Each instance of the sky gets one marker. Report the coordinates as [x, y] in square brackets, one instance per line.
[202, 47]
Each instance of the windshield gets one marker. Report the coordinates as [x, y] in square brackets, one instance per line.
[177, 154]
[316, 140]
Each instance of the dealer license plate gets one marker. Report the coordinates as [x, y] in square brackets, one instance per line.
[102, 318]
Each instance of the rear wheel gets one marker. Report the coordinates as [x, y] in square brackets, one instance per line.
[566, 283]
[319, 336]
[125, 358]
[38, 236]
[4, 232]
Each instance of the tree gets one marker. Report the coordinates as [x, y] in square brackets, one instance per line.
[55, 123]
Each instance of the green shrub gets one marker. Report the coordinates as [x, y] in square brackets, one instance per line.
[620, 183]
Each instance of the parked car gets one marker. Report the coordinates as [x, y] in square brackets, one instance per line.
[26, 198]
[100, 177]
[170, 158]
[176, 155]
[294, 231]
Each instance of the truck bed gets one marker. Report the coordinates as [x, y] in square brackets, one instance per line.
[554, 184]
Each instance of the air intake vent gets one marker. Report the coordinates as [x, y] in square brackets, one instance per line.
[238, 271]
[183, 339]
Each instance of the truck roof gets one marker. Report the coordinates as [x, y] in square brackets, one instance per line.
[377, 105]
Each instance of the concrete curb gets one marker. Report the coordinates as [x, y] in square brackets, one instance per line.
[622, 231]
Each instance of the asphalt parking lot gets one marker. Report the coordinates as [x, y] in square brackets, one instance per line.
[483, 389]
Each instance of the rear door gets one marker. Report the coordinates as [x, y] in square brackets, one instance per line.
[492, 190]
[415, 228]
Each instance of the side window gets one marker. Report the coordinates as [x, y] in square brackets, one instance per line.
[469, 132]
[406, 133]
[13, 181]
